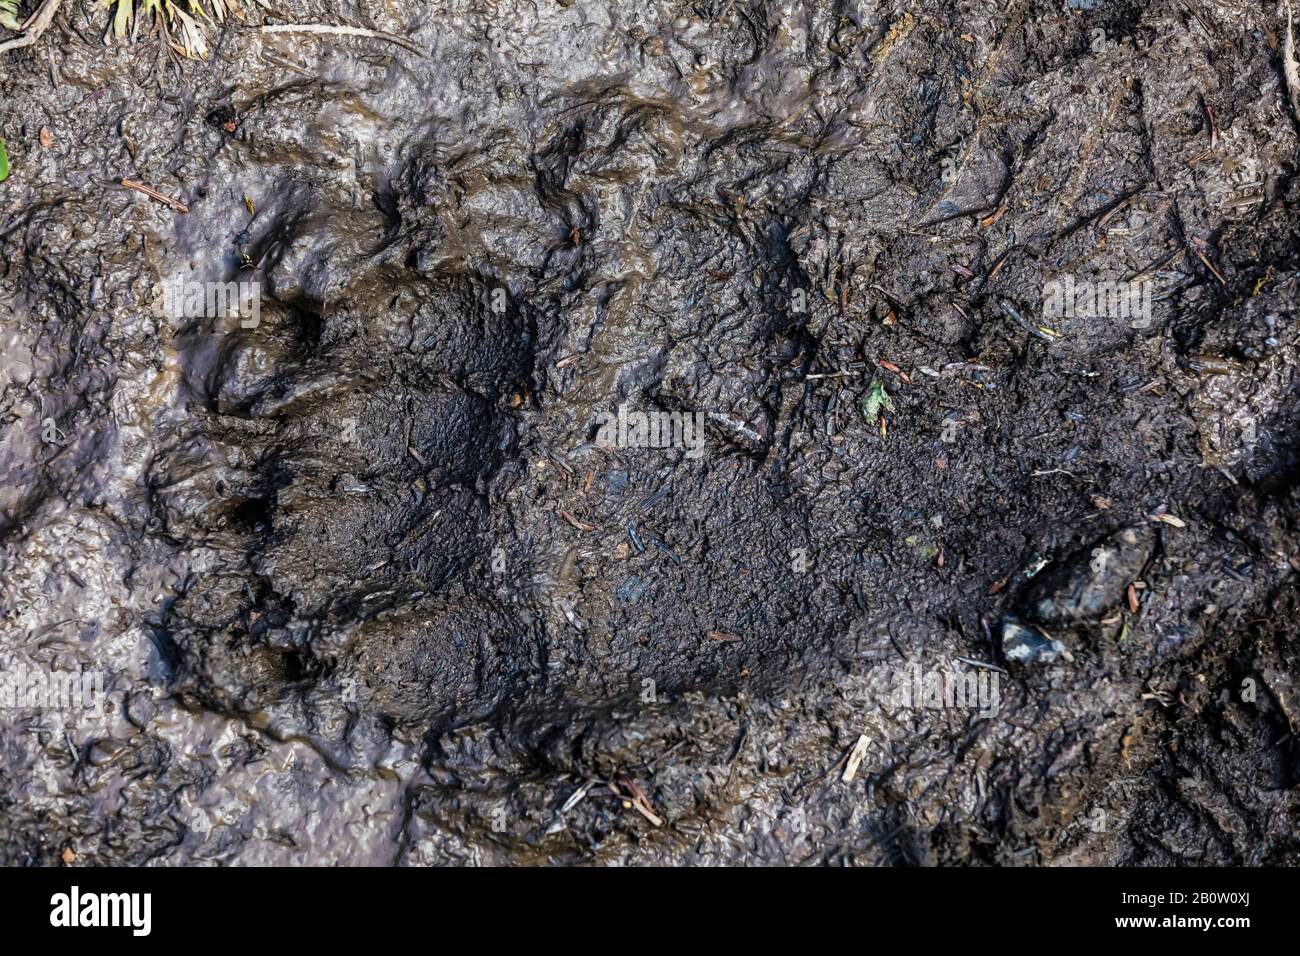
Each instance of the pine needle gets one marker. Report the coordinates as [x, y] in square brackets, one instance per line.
[323, 28]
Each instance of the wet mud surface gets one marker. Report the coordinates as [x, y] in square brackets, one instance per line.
[364, 583]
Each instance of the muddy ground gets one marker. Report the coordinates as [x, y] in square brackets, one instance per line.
[366, 585]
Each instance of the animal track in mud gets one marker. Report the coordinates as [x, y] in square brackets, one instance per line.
[343, 463]
[401, 544]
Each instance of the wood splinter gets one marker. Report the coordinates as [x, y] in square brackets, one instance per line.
[856, 756]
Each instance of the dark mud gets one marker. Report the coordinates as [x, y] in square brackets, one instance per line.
[365, 586]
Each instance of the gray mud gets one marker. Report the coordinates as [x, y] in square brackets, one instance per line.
[365, 585]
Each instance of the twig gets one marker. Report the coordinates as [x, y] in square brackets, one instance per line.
[580, 525]
[673, 749]
[723, 636]
[638, 801]
[1209, 265]
[168, 201]
[36, 24]
[343, 32]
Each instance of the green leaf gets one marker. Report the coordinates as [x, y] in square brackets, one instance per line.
[4, 162]
[877, 398]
